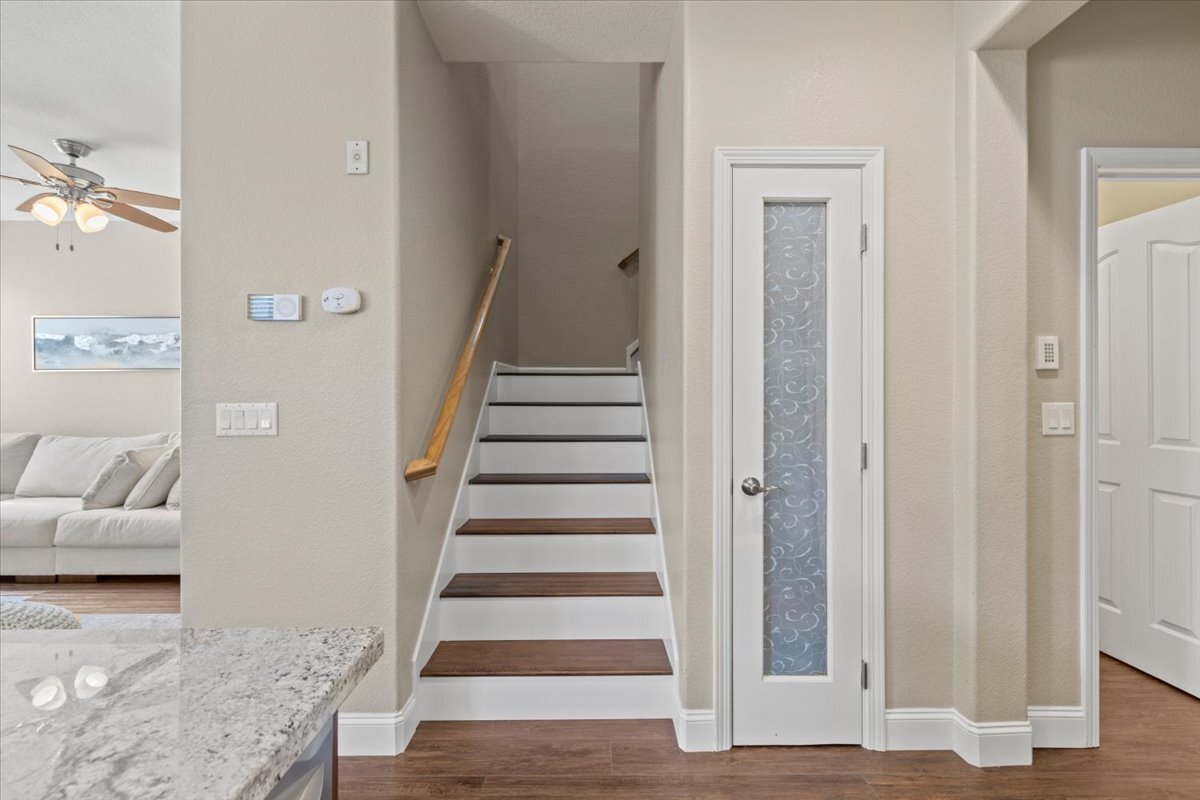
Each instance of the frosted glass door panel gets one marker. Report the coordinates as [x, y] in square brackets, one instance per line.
[795, 603]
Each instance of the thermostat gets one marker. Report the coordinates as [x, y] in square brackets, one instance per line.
[273, 307]
[341, 300]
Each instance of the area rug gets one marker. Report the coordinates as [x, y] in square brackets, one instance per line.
[128, 621]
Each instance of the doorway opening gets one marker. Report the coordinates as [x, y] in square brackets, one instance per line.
[1140, 415]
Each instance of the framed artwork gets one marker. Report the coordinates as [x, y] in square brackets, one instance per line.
[105, 344]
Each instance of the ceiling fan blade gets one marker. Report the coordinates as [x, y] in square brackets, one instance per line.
[140, 217]
[19, 180]
[141, 198]
[40, 165]
[28, 204]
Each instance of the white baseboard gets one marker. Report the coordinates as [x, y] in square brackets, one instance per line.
[1058, 726]
[986, 744]
[695, 729]
[377, 733]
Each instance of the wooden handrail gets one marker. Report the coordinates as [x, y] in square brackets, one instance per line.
[629, 259]
[427, 465]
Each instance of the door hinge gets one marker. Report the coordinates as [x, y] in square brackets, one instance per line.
[864, 455]
[864, 676]
[863, 239]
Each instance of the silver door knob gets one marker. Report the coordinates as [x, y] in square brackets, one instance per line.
[751, 486]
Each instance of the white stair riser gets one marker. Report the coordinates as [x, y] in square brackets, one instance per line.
[554, 697]
[562, 457]
[560, 500]
[558, 420]
[474, 618]
[617, 552]
[557, 388]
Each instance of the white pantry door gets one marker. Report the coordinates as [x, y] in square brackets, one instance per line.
[797, 431]
[1148, 418]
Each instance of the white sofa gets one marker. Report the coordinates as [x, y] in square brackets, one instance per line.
[45, 532]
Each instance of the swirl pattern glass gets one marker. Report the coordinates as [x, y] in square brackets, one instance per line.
[795, 605]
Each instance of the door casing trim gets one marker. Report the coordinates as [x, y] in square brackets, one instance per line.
[870, 161]
[1111, 163]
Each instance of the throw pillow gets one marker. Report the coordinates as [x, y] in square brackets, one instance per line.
[64, 466]
[155, 485]
[119, 476]
[15, 451]
[175, 496]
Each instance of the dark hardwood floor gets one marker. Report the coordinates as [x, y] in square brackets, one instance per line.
[106, 596]
[1150, 750]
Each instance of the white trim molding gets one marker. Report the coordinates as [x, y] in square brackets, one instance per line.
[870, 161]
[1110, 163]
[695, 729]
[985, 744]
[377, 733]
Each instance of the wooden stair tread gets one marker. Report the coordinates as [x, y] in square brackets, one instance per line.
[563, 437]
[540, 657]
[553, 584]
[559, 477]
[556, 525]
[568, 403]
[616, 373]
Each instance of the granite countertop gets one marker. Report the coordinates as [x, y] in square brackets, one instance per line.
[191, 714]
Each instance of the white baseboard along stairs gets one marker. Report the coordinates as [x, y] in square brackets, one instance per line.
[550, 600]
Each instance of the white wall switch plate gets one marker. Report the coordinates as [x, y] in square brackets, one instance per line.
[356, 158]
[274, 307]
[1045, 354]
[247, 419]
[1058, 419]
[341, 300]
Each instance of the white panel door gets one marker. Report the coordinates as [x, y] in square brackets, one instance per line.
[797, 431]
[1148, 415]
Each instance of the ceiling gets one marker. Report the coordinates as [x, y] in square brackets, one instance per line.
[550, 30]
[106, 73]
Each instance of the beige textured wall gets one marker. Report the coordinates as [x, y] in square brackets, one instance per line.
[660, 318]
[578, 145]
[1118, 200]
[806, 74]
[124, 271]
[1116, 74]
[298, 529]
[448, 232]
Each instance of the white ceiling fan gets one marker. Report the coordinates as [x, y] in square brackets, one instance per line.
[71, 188]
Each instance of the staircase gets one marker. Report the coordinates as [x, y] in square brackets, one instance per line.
[549, 603]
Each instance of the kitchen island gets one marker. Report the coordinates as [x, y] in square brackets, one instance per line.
[191, 714]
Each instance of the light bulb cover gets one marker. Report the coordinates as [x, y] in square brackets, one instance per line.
[49, 210]
[89, 218]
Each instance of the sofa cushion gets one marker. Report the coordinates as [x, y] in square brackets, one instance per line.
[32, 521]
[4, 497]
[15, 450]
[155, 486]
[175, 496]
[119, 476]
[64, 466]
[116, 527]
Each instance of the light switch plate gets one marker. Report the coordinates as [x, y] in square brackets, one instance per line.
[247, 419]
[356, 158]
[1058, 419]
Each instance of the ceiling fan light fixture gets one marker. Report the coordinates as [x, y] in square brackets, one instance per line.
[49, 210]
[89, 218]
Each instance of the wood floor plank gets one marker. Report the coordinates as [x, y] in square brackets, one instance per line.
[678, 787]
[501, 478]
[567, 657]
[563, 437]
[106, 596]
[556, 525]
[553, 584]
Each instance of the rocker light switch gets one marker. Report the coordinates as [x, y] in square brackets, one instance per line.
[246, 419]
[1058, 419]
